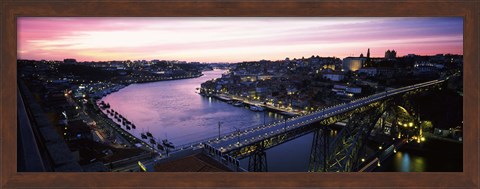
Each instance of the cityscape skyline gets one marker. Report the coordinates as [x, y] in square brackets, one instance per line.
[233, 39]
[361, 113]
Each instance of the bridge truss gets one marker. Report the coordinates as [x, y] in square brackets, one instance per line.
[343, 153]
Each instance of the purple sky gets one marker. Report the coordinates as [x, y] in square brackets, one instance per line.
[233, 39]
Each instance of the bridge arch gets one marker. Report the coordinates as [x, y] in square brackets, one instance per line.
[390, 118]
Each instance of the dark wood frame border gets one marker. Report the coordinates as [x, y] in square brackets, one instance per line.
[10, 10]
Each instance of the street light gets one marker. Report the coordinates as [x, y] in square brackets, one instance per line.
[238, 134]
[264, 117]
[219, 125]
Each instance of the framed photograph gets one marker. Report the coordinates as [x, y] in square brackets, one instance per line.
[239, 94]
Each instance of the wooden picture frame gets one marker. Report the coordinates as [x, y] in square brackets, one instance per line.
[10, 10]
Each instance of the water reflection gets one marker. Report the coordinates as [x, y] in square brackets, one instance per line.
[407, 162]
[418, 164]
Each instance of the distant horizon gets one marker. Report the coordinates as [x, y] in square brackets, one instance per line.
[291, 58]
[233, 39]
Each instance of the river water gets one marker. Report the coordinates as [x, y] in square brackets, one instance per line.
[174, 110]
[432, 156]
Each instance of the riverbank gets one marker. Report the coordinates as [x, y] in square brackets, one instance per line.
[227, 98]
[159, 79]
[433, 136]
[133, 141]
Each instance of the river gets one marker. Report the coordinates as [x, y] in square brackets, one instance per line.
[174, 110]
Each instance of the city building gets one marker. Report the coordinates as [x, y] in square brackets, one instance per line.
[386, 71]
[353, 63]
[70, 61]
[334, 76]
[390, 55]
[346, 89]
[368, 71]
[264, 77]
[76, 130]
[426, 68]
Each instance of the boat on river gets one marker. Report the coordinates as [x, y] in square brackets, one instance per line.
[149, 134]
[152, 141]
[224, 97]
[160, 147]
[257, 108]
[238, 103]
[168, 144]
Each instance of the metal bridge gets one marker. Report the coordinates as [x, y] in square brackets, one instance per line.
[342, 152]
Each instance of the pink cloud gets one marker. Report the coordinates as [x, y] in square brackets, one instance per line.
[232, 39]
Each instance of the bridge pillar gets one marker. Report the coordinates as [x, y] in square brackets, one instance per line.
[383, 119]
[349, 145]
[258, 160]
[394, 129]
[319, 151]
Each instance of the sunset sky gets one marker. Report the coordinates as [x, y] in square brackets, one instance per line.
[233, 39]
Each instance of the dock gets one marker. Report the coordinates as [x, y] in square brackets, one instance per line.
[227, 98]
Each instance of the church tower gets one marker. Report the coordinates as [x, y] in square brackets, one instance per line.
[368, 61]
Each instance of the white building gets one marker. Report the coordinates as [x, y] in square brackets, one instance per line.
[345, 89]
[354, 90]
[334, 76]
[264, 77]
[352, 63]
[368, 71]
[261, 89]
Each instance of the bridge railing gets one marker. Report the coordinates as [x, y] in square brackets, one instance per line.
[214, 138]
[227, 160]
